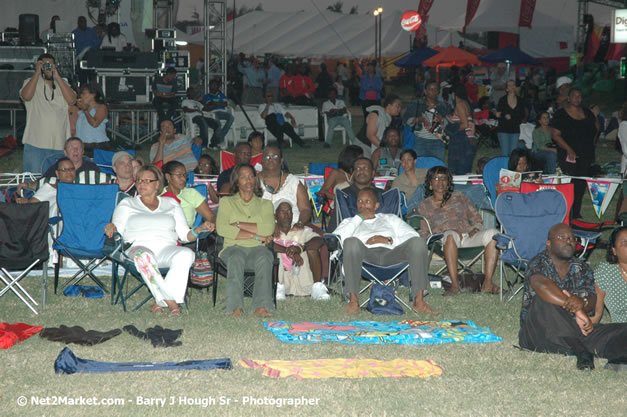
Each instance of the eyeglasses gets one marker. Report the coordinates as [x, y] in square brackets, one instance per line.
[145, 181]
[271, 157]
[178, 175]
[66, 169]
[206, 164]
[441, 178]
[567, 238]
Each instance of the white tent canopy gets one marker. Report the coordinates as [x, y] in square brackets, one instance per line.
[548, 36]
[326, 34]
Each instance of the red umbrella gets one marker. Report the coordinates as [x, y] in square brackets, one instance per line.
[449, 57]
[452, 56]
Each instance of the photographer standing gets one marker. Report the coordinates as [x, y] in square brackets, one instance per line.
[46, 97]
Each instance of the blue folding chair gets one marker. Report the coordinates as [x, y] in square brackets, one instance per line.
[491, 175]
[84, 210]
[317, 168]
[526, 220]
[104, 159]
[428, 162]
[387, 275]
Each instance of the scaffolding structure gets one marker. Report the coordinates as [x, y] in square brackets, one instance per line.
[215, 44]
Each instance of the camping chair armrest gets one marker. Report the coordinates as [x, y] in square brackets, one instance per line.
[54, 220]
[333, 241]
[586, 235]
[413, 219]
[502, 240]
[434, 238]
[485, 211]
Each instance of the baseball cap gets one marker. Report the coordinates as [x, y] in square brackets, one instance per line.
[563, 80]
[118, 155]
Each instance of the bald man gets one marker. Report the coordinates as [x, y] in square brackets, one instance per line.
[559, 299]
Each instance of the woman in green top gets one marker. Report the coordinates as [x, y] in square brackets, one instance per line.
[611, 279]
[191, 200]
[246, 221]
[543, 149]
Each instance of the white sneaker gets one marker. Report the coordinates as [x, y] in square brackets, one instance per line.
[280, 292]
[319, 291]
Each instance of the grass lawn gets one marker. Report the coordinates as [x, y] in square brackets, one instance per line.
[484, 379]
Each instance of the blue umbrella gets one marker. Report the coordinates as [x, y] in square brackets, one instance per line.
[511, 55]
[416, 58]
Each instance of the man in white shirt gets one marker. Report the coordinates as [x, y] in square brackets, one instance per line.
[276, 121]
[382, 239]
[192, 105]
[46, 97]
[336, 116]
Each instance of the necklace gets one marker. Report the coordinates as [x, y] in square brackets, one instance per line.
[271, 189]
[623, 272]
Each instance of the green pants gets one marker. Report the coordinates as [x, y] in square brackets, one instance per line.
[239, 259]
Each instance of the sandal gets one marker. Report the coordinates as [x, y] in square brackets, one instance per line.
[176, 311]
[156, 308]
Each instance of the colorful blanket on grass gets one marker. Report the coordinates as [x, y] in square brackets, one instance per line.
[407, 332]
[345, 368]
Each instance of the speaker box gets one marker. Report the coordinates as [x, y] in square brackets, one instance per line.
[493, 40]
[29, 29]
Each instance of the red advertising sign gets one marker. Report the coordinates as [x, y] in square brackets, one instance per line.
[410, 20]
[526, 13]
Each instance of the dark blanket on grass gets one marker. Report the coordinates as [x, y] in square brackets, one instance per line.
[408, 332]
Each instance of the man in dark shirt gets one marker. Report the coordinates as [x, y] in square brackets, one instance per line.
[85, 37]
[558, 300]
[75, 150]
[363, 174]
[215, 102]
[164, 89]
[242, 155]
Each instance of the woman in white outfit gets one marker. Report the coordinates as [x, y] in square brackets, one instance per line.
[153, 225]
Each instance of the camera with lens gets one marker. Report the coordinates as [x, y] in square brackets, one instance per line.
[47, 66]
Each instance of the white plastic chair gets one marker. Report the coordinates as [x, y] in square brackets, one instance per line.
[337, 128]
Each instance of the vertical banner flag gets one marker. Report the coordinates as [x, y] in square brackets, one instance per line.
[471, 9]
[526, 13]
[601, 193]
[314, 184]
[423, 11]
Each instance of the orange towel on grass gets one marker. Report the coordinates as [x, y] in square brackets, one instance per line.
[345, 368]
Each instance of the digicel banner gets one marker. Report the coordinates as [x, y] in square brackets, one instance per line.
[411, 21]
[619, 26]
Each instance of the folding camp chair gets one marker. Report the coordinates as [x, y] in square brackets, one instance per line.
[586, 238]
[387, 275]
[23, 246]
[227, 160]
[85, 210]
[120, 291]
[466, 257]
[219, 268]
[104, 159]
[428, 162]
[491, 175]
[526, 220]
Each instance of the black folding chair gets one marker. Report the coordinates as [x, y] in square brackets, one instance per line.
[23, 247]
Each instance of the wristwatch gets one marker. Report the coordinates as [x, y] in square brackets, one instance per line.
[389, 240]
[585, 302]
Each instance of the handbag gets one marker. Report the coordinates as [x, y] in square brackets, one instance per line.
[382, 301]
[201, 274]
